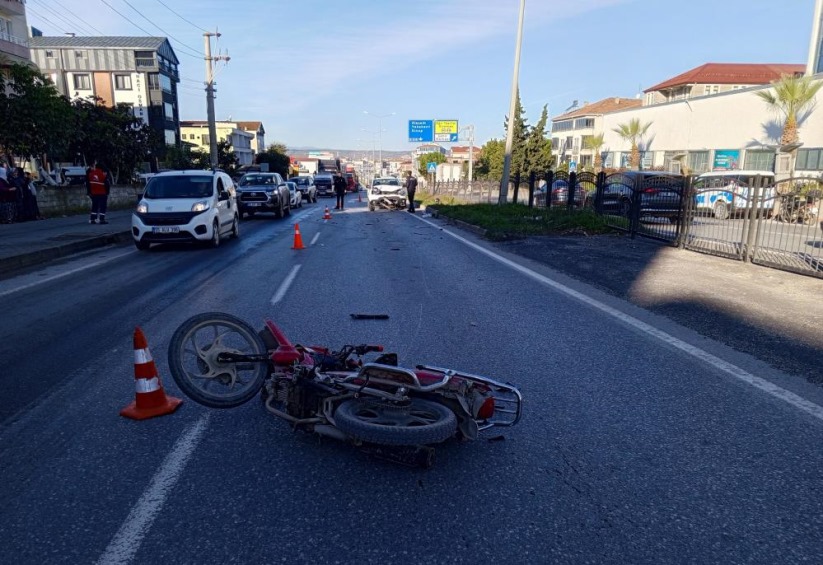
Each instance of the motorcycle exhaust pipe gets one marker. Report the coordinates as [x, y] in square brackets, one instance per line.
[330, 431]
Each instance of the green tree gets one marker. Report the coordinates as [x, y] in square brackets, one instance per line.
[34, 118]
[276, 157]
[791, 97]
[595, 143]
[520, 135]
[179, 158]
[490, 162]
[633, 131]
[538, 149]
[433, 157]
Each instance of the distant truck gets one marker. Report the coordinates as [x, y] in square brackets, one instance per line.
[330, 166]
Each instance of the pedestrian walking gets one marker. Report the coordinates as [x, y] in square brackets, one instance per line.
[98, 187]
[340, 185]
[8, 198]
[411, 188]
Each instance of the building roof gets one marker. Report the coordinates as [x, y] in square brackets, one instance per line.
[103, 42]
[605, 106]
[256, 126]
[731, 73]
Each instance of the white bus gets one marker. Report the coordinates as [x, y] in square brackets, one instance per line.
[726, 193]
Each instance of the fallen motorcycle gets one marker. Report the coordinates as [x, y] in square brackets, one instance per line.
[395, 413]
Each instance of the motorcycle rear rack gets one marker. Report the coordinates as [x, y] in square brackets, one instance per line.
[508, 400]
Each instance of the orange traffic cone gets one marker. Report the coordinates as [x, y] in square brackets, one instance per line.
[298, 239]
[150, 398]
[326, 214]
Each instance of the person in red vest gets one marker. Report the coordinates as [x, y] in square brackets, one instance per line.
[98, 186]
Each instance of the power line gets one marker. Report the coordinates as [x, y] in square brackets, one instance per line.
[150, 34]
[81, 25]
[45, 19]
[160, 28]
[181, 17]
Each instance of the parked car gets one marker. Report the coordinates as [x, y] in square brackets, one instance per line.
[387, 192]
[295, 196]
[726, 193]
[263, 192]
[305, 184]
[560, 194]
[324, 183]
[186, 206]
[660, 199]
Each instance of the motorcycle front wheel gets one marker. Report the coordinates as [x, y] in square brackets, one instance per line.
[194, 364]
[420, 422]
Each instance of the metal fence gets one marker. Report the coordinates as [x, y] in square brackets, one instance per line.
[778, 225]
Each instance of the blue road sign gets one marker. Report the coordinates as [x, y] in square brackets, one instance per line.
[431, 167]
[421, 131]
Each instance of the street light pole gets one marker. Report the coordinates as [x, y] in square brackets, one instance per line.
[380, 132]
[507, 162]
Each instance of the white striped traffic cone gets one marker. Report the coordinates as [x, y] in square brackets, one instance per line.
[150, 398]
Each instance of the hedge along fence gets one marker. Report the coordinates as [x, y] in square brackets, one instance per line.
[67, 200]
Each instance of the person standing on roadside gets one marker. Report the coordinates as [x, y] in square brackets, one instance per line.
[31, 210]
[411, 188]
[340, 190]
[8, 198]
[98, 187]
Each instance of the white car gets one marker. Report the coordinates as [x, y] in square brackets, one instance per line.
[295, 196]
[387, 192]
[186, 206]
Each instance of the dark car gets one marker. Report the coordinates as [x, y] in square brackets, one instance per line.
[560, 194]
[324, 184]
[263, 192]
[660, 194]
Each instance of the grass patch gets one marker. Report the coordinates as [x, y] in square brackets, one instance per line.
[517, 220]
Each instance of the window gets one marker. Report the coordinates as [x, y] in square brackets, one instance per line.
[585, 160]
[165, 83]
[565, 125]
[809, 160]
[759, 160]
[699, 161]
[154, 81]
[122, 82]
[204, 139]
[49, 54]
[169, 136]
[144, 59]
[646, 160]
[555, 143]
[81, 54]
[584, 141]
[168, 110]
[583, 123]
[82, 82]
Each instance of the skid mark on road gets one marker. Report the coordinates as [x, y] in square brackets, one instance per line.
[730, 369]
[128, 538]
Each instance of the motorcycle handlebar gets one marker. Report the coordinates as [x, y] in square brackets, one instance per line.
[362, 349]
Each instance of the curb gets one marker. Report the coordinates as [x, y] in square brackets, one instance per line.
[28, 259]
[482, 232]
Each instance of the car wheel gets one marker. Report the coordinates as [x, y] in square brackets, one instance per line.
[721, 210]
[235, 228]
[278, 213]
[371, 207]
[287, 211]
[142, 245]
[215, 235]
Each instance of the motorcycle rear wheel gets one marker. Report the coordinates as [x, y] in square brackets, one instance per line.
[421, 422]
[194, 366]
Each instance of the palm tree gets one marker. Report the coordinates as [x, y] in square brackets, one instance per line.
[791, 95]
[595, 143]
[633, 132]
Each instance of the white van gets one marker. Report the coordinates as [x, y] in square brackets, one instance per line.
[186, 206]
[726, 193]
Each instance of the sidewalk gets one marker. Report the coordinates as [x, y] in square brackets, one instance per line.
[30, 243]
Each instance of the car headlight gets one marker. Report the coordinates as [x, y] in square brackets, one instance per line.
[375, 191]
[142, 207]
[201, 206]
[402, 192]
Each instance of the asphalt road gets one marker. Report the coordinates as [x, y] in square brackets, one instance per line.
[641, 441]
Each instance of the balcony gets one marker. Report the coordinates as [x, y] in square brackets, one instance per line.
[13, 7]
[15, 47]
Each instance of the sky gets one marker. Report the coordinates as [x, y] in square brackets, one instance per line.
[349, 75]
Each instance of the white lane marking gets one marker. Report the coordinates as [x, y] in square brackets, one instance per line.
[314, 239]
[128, 538]
[64, 274]
[284, 287]
[766, 386]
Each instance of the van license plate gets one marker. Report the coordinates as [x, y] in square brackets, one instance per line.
[166, 229]
[253, 204]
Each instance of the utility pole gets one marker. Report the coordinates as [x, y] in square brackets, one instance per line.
[210, 95]
[507, 162]
[471, 155]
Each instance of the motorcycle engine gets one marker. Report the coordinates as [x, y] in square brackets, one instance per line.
[295, 397]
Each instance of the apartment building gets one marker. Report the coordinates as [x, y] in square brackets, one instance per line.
[258, 143]
[141, 71]
[196, 134]
[462, 154]
[14, 46]
[716, 78]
